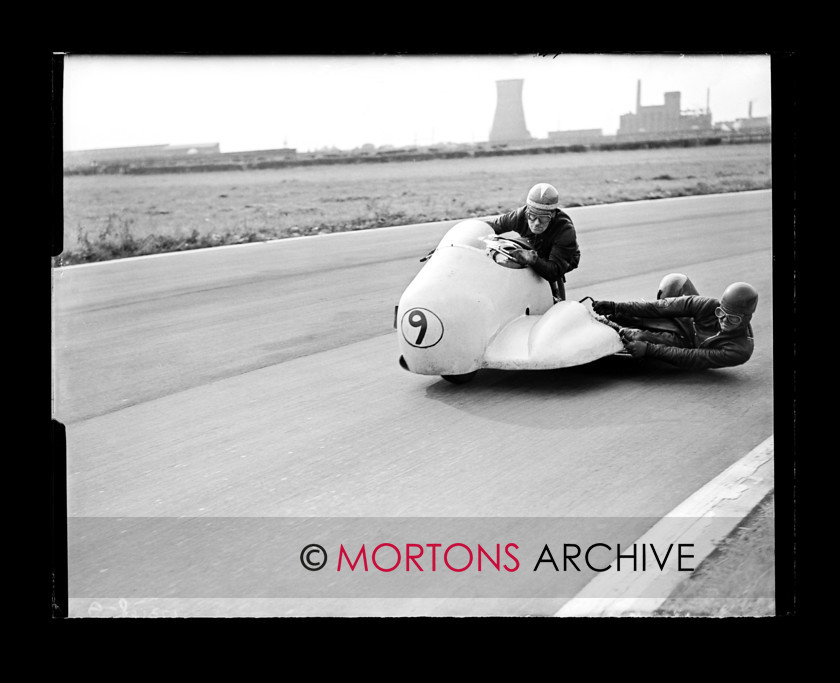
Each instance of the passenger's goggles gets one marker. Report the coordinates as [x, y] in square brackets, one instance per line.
[730, 317]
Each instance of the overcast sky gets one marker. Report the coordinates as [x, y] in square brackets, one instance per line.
[247, 103]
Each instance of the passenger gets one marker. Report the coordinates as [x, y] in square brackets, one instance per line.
[551, 233]
[686, 329]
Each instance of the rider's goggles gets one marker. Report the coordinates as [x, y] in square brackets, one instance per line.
[730, 317]
[539, 217]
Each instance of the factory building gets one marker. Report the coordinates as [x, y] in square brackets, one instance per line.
[663, 118]
[576, 137]
[509, 120]
[751, 125]
[143, 152]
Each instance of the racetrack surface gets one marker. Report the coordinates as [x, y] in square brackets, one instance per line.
[261, 382]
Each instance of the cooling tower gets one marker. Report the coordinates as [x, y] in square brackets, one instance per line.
[509, 121]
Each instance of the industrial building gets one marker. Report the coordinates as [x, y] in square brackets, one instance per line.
[662, 121]
[576, 137]
[751, 125]
[663, 118]
[140, 153]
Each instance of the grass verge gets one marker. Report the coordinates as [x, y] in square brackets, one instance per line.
[118, 216]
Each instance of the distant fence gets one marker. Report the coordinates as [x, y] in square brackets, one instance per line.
[206, 165]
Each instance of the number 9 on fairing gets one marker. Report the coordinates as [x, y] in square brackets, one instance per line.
[421, 328]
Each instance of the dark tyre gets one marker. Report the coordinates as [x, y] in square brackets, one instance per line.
[460, 379]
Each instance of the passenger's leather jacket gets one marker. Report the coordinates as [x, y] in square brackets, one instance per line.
[712, 348]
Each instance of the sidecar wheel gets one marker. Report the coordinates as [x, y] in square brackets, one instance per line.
[460, 379]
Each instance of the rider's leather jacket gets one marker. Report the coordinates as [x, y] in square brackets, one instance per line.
[557, 248]
[709, 346]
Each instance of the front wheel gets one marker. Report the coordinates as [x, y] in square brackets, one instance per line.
[460, 379]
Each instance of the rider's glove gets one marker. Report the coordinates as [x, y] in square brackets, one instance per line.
[525, 256]
[603, 307]
[637, 349]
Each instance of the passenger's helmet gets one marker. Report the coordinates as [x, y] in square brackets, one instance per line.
[543, 198]
[675, 284]
[739, 298]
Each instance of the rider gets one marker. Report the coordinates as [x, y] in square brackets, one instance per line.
[704, 333]
[551, 233]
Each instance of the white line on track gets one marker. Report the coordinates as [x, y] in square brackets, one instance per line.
[132, 259]
[704, 519]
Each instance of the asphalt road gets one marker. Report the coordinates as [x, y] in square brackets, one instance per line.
[260, 383]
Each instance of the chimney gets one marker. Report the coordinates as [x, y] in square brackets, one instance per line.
[749, 116]
[638, 95]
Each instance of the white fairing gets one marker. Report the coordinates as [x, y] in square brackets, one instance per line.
[463, 312]
[565, 335]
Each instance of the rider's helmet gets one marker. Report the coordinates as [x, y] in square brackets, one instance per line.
[543, 198]
[739, 298]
